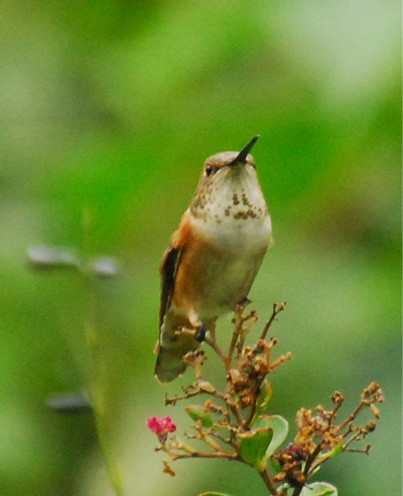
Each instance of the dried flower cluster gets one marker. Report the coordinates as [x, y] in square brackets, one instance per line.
[320, 437]
[234, 422]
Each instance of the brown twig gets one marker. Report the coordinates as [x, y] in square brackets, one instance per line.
[206, 454]
[277, 308]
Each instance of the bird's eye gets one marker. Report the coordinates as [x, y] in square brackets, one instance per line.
[210, 170]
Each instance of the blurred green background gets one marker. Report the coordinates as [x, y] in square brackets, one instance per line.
[107, 111]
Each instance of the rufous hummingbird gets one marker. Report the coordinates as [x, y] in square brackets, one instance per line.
[213, 258]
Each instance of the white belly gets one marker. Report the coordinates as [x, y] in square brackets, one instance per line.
[240, 246]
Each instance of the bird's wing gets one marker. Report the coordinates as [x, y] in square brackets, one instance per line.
[169, 267]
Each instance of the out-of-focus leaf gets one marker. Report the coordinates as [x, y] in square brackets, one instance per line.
[197, 412]
[48, 257]
[278, 425]
[69, 404]
[104, 267]
[253, 446]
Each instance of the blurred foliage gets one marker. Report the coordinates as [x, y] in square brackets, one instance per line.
[108, 109]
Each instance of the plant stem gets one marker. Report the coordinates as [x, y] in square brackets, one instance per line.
[111, 467]
[98, 372]
[277, 308]
[215, 454]
[268, 482]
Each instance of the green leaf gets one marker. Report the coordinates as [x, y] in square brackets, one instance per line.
[275, 465]
[314, 489]
[253, 446]
[213, 493]
[319, 489]
[335, 451]
[197, 412]
[205, 386]
[278, 425]
[263, 400]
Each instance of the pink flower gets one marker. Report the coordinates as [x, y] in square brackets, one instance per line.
[161, 426]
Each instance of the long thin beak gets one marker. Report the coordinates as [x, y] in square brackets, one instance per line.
[241, 157]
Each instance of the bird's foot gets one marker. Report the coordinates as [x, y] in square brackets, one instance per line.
[244, 303]
[200, 332]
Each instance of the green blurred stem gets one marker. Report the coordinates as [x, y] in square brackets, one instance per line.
[98, 382]
[113, 471]
[99, 370]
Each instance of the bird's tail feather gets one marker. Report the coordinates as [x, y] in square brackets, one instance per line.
[171, 349]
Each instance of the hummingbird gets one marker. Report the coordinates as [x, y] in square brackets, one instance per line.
[213, 257]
